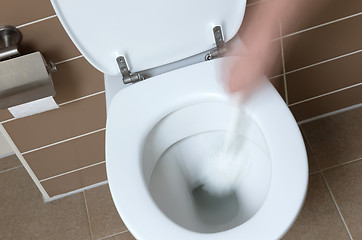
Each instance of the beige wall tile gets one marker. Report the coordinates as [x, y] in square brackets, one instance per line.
[24, 215]
[123, 236]
[75, 180]
[9, 162]
[67, 156]
[336, 139]
[323, 43]
[50, 38]
[327, 103]
[325, 11]
[324, 78]
[76, 79]
[17, 12]
[68, 121]
[5, 115]
[103, 216]
[346, 185]
[319, 218]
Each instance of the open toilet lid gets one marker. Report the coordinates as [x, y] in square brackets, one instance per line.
[148, 33]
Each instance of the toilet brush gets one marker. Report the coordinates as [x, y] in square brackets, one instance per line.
[222, 173]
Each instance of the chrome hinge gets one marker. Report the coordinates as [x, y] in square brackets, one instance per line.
[220, 45]
[128, 77]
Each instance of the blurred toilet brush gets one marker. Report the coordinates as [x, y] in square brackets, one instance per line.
[221, 174]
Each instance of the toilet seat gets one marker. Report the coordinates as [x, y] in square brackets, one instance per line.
[132, 115]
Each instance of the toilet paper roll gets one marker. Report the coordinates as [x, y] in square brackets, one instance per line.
[34, 107]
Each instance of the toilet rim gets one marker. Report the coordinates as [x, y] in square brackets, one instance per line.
[134, 203]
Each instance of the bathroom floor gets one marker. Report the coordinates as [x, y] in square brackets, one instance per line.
[332, 210]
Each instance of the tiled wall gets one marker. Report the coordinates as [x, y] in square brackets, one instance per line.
[63, 149]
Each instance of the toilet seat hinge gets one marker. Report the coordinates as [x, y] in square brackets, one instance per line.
[128, 77]
[220, 45]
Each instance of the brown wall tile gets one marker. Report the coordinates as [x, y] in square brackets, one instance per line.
[68, 121]
[17, 12]
[278, 83]
[75, 180]
[324, 78]
[325, 11]
[323, 43]
[5, 115]
[50, 39]
[67, 156]
[327, 103]
[76, 79]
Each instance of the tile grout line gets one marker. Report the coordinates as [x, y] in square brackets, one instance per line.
[24, 162]
[69, 59]
[63, 195]
[325, 61]
[86, 209]
[329, 189]
[325, 94]
[322, 25]
[81, 98]
[8, 120]
[72, 171]
[116, 234]
[36, 21]
[314, 173]
[335, 203]
[283, 64]
[276, 76]
[3, 171]
[330, 114]
[342, 164]
[63, 141]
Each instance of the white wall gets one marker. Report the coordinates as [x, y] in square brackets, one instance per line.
[5, 148]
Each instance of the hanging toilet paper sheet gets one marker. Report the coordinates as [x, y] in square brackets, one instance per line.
[34, 107]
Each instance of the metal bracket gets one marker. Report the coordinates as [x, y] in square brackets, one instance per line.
[9, 39]
[220, 45]
[128, 77]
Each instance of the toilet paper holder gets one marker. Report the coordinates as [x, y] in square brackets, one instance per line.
[23, 78]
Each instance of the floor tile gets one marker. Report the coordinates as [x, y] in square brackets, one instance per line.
[24, 215]
[346, 185]
[335, 139]
[104, 218]
[123, 236]
[312, 164]
[9, 162]
[319, 218]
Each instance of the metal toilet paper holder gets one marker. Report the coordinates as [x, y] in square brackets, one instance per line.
[23, 78]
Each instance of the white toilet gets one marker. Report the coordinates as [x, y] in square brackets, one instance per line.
[161, 131]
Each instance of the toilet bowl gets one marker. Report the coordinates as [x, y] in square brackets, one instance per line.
[144, 151]
[162, 131]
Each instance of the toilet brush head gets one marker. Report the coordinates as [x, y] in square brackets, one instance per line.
[222, 173]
